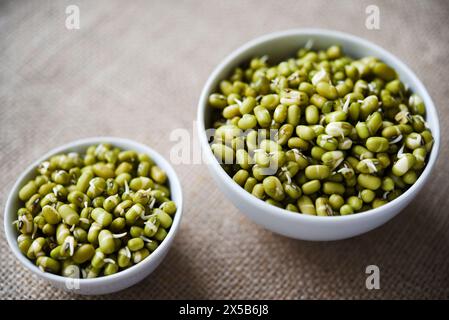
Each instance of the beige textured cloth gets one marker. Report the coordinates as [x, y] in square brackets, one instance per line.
[135, 69]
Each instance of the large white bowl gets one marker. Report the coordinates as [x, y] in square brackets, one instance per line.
[117, 281]
[285, 44]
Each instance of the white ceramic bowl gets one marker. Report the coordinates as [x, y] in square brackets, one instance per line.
[285, 44]
[120, 280]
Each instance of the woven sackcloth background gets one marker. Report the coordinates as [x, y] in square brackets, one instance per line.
[135, 69]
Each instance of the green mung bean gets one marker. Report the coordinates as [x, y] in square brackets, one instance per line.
[135, 244]
[336, 201]
[306, 205]
[28, 190]
[346, 209]
[317, 172]
[311, 187]
[403, 164]
[322, 207]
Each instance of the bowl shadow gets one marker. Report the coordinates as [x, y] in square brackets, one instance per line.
[411, 252]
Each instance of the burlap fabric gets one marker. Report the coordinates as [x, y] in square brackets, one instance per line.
[135, 70]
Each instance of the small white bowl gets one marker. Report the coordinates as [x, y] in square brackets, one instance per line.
[285, 44]
[117, 281]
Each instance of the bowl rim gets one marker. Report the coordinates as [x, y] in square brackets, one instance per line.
[159, 252]
[236, 54]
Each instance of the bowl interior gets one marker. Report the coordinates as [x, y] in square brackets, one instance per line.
[12, 204]
[285, 44]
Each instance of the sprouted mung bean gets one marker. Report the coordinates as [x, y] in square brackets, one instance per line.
[320, 133]
[94, 214]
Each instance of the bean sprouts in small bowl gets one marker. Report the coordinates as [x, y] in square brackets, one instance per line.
[124, 254]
